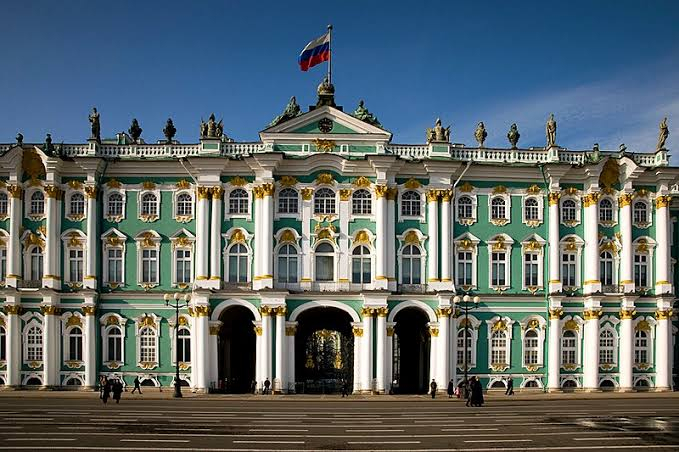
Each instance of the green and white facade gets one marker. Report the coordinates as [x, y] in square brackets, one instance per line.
[326, 251]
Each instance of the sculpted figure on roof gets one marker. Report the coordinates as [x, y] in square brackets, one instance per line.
[550, 131]
[438, 133]
[211, 128]
[292, 110]
[480, 134]
[96, 128]
[663, 134]
[364, 115]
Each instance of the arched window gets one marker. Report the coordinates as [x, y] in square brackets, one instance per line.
[568, 211]
[464, 208]
[606, 268]
[147, 345]
[569, 384]
[531, 348]
[184, 205]
[75, 344]
[325, 262]
[36, 258]
[497, 208]
[115, 205]
[569, 348]
[641, 347]
[34, 344]
[237, 258]
[641, 271]
[149, 204]
[37, 203]
[361, 202]
[114, 340]
[77, 204]
[411, 265]
[287, 264]
[183, 265]
[324, 201]
[606, 347]
[360, 265]
[184, 352]
[411, 204]
[640, 212]
[530, 209]
[288, 201]
[605, 211]
[4, 204]
[460, 348]
[238, 202]
[498, 346]
[3, 344]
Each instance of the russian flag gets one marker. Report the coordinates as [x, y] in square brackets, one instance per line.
[316, 52]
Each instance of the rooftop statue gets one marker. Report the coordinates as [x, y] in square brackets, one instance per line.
[169, 131]
[480, 134]
[211, 128]
[594, 156]
[292, 110]
[438, 133]
[96, 129]
[662, 134]
[48, 148]
[550, 131]
[364, 115]
[513, 135]
[135, 131]
[20, 139]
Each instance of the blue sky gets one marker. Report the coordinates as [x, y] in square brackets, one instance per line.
[609, 70]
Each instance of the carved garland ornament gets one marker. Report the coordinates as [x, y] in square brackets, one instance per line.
[325, 178]
[362, 182]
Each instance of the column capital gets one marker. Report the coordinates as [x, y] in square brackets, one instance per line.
[662, 201]
[357, 331]
[13, 309]
[553, 198]
[433, 330]
[392, 192]
[266, 310]
[217, 192]
[14, 191]
[444, 311]
[381, 191]
[432, 195]
[280, 310]
[52, 191]
[345, 194]
[307, 193]
[89, 310]
[367, 312]
[555, 314]
[203, 192]
[590, 199]
[91, 191]
[627, 314]
[592, 314]
[291, 330]
[446, 195]
[624, 200]
[665, 314]
[50, 310]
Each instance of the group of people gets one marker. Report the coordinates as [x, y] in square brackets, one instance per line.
[471, 390]
[114, 387]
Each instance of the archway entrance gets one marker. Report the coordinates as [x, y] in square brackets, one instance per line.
[411, 345]
[324, 351]
[237, 350]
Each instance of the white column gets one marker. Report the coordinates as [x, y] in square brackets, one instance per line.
[662, 237]
[290, 331]
[452, 356]
[626, 254]
[433, 240]
[446, 240]
[626, 350]
[13, 345]
[344, 259]
[14, 246]
[554, 261]
[257, 264]
[554, 350]
[50, 276]
[213, 358]
[265, 240]
[266, 342]
[592, 282]
[381, 279]
[281, 342]
[201, 261]
[305, 281]
[663, 349]
[90, 346]
[433, 352]
[202, 336]
[51, 336]
[443, 348]
[591, 350]
[357, 330]
[381, 336]
[91, 253]
[216, 237]
[367, 350]
[391, 238]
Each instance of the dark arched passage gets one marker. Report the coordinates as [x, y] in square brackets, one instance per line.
[411, 346]
[237, 350]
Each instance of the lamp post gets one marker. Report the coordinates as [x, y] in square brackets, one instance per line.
[464, 304]
[177, 301]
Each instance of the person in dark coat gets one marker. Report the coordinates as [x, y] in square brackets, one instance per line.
[253, 387]
[433, 387]
[106, 392]
[510, 386]
[117, 390]
[345, 389]
[137, 385]
[267, 385]
[468, 391]
[477, 393]
[451, 388]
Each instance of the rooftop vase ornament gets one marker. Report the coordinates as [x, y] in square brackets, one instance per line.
[550, 131]
[292, 110]
[480, 134]
[662, 134]
[96, 129]
[438, 133]
[364, 115]
[326, 93]
[169, 131]
[20, 139]
[135, 130]
[513, 135]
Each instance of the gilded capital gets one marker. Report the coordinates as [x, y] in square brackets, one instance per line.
[665, 314]
[554, 198]
[52, 191]
[432, 195]
[217, 192]
[345, 194]
[381, 191]
[91, 191]
[266, 310]
[662, 201]
[444, 311]
[290, 330]
[12, 309]
[49, 310]
[14, 191]
[625, 200]
[446, 195]
[280, 310]
[382, 311]
[367, 312]
[392, 193]
[214, 330]
[307, 193]
[268, 189]
[434, 331]
[555, 314]
[592, 314]
[201, 311]
[590, 199]
[202, 192]
[357, 331]
[627, 314]
[89, 310]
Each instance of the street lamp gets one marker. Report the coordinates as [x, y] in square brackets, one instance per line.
[177, 301]
[464, 305]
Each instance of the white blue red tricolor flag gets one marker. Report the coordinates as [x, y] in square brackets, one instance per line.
[316, 52]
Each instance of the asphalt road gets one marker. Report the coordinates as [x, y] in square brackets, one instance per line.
[259, 424]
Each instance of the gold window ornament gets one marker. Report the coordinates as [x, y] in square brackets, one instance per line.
[238, 181]
[148, 185]
[325, 178]
[362, 182]
[412, 184]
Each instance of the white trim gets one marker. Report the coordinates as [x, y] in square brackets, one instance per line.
[508, 333]
[227, 193]
[578, 340]
[650, 342]
[540, 330]
[579, 244]
[276, 251]
[466, 221]
[66, 336]
[155, 328]
[423, 258]
[173, 340]
[578, 211]
[650, 244]
[614, 208]
[422, 306]
[105, 331]
[105, 248]
[541, 208]
[28, 192]
[423, 204]
[148, 218]
[175, 205]
[36, 320]
[457, 242]
[325, 285]
[322, 304]
[508, 242]
[174, 238]
[107, 193]
[507, 218]
[68, 196]
[540, 260]
[277, 214]
[228, 303]
[248, 248]
[81, 239]
[527, 380]
[155, 239]
[649, 212]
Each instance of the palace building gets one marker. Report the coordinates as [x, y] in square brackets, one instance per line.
[325, 253]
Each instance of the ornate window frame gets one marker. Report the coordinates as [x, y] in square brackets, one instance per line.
[644, 246]
[646, 324]
[30, 241]
[474, 205]
[533, 223]
[73, 240]
[538, 324]
[610, 246]
[141, 323]
[614, 207]
[107, 194]
[277, 213]
[28, 194]
[467, 242]
[108, 322]
[113, 239]
[147, 240]
[185, 323]
[334, 199]
[69, 321]
[500, 243]
[362, 237]
[335, 262]
[287, 236]
[535, 245]
[402, 190]
[185, 240]
[608, 324]
[5, 214]
[576, 325]
[571, 243]
[500, 192]
[148, 217]
[504, 324]
[414, 237]
[473, 325]
[362, 201]
[237, 235]
[642, 196]
[227, 199]
[570, 195]
[71, 191]
[175, 205]
[31, 320]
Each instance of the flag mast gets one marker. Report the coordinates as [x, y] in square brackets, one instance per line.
[329, 53]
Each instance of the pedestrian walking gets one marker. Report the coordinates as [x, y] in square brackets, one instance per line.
[345, 389]
[137, 385]
[477, 392]
[510, 386]
[433, 387]
[267, 385]
[451, 388]
[117, 390]
[468, 391]
[107, 391]
[253, 386]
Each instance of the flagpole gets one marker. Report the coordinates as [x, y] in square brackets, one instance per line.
[329, 53]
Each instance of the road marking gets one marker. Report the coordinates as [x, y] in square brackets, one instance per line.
[40, 439]
[78, 427]
[188, 429]
[475, 429]
[154, 440]
[612, 438]
[13, 427]
[278, 430]
[375, 431]
[245, 441]
[383, 442]
[498, 440]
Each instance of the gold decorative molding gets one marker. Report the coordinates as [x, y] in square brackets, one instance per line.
[75, 184]
[217, 192]
[266, 310]
[113, 183]
[392, 193]
[444, 311]
[268, 189]
[555, 314]
[663, 314]
[446, 195]
[324, 145]
[325, 178]
[571, 325]
[258, 330]
[238, 236]
[381, 191]
[201, 311]
[52, 191]
[215, 329]
[49, 310]
[148, 240]
[288, 181]
[307, 193]
[554, 198]
[662, 201]
[12, 309]
[183, 184]
[570, 191]
[592, 314]
[534, 190]
[345, 194]
[89, 310]
[287, 236]
[74, 320]
[590, 199]
[290, 330]
[433, 331]
[113, 240]
[499, 244]
[500, 189]
[533, 324]
[238, 181]
[91, 191]
[382, 311]
[14, 191]
[432, 195]
[357, 331]
[643, 325]
[147, 320]
[411, 238]
[412, 184]
[362, 182]
[202, 192]
[362, 238]
[625, 200]
[148, 185]
[466, 187]
[500, 325]
[533, 245]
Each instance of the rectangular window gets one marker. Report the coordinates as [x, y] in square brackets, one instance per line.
[325, 268]
[464, 268]
[115, 348]
[183, 266]
[568, 268]
[3, 263]
[75, 347]
[75, 265]
[530, 269]
[149, 269]
[641, 270]
[460, 349]
[498, 267]
[147, 348]
[115, 265]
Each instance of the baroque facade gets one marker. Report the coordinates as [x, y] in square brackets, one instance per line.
[326, 253]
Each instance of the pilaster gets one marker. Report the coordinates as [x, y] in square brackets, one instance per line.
[662, 237]
[290, 332]
[443, 354]
[432, 241]
[215, 281]
[281, 379]
[555, 283]
[446, 240]
[381, 277]
[90, 342]
[91, 253]
[381, 339]
[201, 336]
[13, 310]
[14, 247]
[50, 344]
[357, 331]
[51, 278]
[201, 261]
[591, 314]
[390, 265]
[367, 350]
[663, 344]
[626, 353]
[592, 282]
[554, 346]
[213, 358]
[626, 254]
